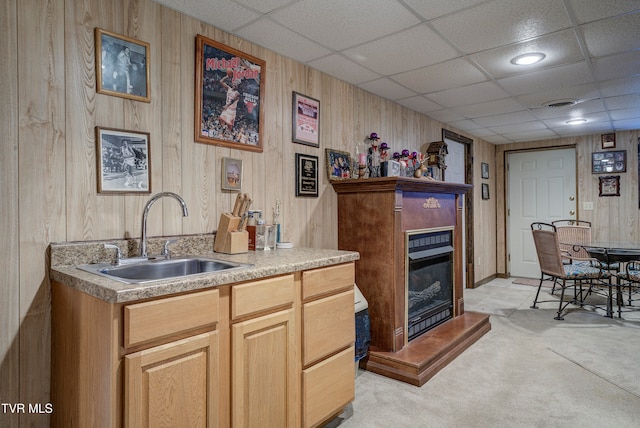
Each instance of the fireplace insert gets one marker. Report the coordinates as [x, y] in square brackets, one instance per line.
[429, 288]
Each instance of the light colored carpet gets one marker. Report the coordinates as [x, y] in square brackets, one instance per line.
[528, 371]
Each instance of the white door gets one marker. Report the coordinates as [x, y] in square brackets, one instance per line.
[541, 186]
[455, 173]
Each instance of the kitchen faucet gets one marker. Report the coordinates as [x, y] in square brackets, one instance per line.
[185, 213]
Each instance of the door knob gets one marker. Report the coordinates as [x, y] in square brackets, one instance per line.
[572, 198]
[572, 212]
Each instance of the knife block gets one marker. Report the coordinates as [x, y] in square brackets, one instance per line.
[229, 239]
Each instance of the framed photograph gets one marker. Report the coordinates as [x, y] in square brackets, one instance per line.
[231, 174]
[122, 66]
[306, 175]
[124, 164]
[485, 170]
[608, 162]
[608, 141]
[229, 91]
[610, 185]
[306, 120]
[485, 191]
[338, 164]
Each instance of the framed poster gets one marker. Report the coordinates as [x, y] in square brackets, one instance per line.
[485, 170]
[306, 175]
[608, 162]
[124, 164]
[122, 66]
[338, 164]
[229, 90]
[608, 140]
[306, 120]
[609, 185]
[485, 191]
[231, 174]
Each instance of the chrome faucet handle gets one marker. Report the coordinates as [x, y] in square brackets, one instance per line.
[118, 258]
[165, 250]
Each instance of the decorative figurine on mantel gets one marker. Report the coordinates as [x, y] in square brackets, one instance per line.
[374, 155]
[436, 154]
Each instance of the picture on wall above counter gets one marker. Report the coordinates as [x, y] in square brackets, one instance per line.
[231, 174]
[229, 91]
[122, 66]
[608, 162]
[306, 120]
[306, 175]
[124, 164]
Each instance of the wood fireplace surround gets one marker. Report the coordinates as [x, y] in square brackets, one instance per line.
[373, 216]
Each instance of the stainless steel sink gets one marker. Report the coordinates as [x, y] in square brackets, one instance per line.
[155, 270]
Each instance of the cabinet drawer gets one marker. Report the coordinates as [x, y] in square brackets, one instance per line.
[327, 387]
[326, 280]
[328, 326]
[144, 322]
[261, 295]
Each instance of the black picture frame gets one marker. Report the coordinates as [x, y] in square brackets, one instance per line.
[122, 66]
[485, 191]
[609, 162]
[338, 164]
[608, 141]
[234, 119]
[305, 121]
[484, 168]
[609, 185]
[306, 175]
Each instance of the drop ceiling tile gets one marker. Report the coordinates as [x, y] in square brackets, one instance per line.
[579, 92]
[584, 129]
[594, 10]
[277, 38]
[445, 115]
[343, 69]
[339, 24]
[490, 108]
[548, 79]
[560, 48]
[519, 127]
[467, 125]
[446, 75]
[615, 66]
[580, 109]
[420, 104]
[496, 139]
[505, 119]
[591, 118]
[435, 8]
[263, 6]
[414, 48]
[605, 38]
[227, 15]
[387, 88]
[502, 22]
[482, 132]
[470, 94]
[625, 113]
[627, 125]
[624, 86]
[624, 101]
[541, 134]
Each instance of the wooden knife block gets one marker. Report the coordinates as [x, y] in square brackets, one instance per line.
[228, 239]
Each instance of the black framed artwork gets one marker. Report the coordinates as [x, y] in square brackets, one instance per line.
[306, 175]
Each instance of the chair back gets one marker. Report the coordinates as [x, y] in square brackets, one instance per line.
[547, 245]
[573, 239]
[571, 222]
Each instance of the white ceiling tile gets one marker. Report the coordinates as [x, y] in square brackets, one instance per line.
[579, 93]
[605, 38]
[580, 109]
[497, 139]
[490, 108]
[615, 66]
[583, 129]
[414, 48]
[519, 127]
[445, 115]
[339, 24]
[624, 86]
[434, 8]
[627, 125]
[470, 94]
[450, 74]
[547, 79]
[501, 22]
[387, 89]
[277, 38]
[540, 134]
[594, 10]
[625, 113]
[420, 104]
[263, 6]
[506, 119]
[623, 101]
[591, 118]
[467, 125]
[482, 132]
[227, 15]
[343, 69]
[560, 48]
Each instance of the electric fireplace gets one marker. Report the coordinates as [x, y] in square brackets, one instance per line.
[429, 279]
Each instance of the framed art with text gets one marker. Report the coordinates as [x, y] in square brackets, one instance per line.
[306, 120]
[306, 175]
[229, 93]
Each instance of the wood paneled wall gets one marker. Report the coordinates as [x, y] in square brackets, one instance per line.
[48, 113]
[612, 218]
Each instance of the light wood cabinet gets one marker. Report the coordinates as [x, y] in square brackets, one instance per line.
[271, 352]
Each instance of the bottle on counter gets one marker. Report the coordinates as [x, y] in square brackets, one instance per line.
[260, 234]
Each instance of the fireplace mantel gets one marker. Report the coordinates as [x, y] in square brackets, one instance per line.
[373, 216]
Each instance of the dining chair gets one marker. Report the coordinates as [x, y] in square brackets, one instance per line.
[550, 258]
[629, 279]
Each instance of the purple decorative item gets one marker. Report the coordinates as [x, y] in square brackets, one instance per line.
[405, 153]
[374, 136]
[396, 155]
[384, 146]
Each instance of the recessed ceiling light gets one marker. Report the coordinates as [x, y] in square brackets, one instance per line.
[528, 59]
[575, 121]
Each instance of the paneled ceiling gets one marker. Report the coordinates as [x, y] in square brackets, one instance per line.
[450, 59]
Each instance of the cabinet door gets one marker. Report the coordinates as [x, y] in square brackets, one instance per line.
[174, 385]
[264, 371]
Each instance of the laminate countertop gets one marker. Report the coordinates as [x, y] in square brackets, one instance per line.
[65, 257]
